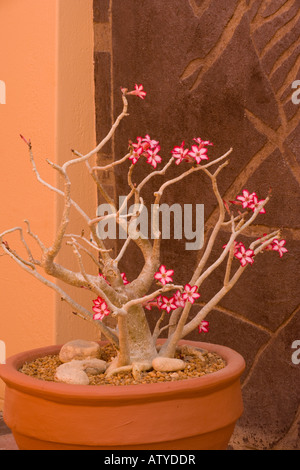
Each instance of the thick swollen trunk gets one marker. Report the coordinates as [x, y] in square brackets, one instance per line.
[141, 344]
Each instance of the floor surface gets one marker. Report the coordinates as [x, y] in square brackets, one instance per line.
[7, 441]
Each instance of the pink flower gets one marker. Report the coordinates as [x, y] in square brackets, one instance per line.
[179, 153]
[125, 281]
[268, 247]
[256, 203]
[202, 142]
[245, 256]
[198, 153]
[246, 198]
[154, 303]
[279, 246]
[138, 91]
[179, 301]
[236, 245]
[190, 293]
[153, 158]
[100, 308]
[164, 275]
[152, 143]
[136, 153]
[203, 327]
[168, 304]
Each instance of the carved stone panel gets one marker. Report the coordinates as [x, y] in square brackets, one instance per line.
[223, 71]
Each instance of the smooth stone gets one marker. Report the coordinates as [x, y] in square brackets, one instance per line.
[79, 349]
[94, 366]
[74, 372]
[166, 364]
[71, 374]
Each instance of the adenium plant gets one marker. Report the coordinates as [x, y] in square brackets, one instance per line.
[131, 302]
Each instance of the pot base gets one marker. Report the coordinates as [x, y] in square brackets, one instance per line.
[219, 438]
[192, 414]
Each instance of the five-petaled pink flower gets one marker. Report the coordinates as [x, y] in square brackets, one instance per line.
[152, 143]
[250, 200]
[279, 246]
[190, 293]
[164, 275]
[168, 304]
[153, 158]
[203, 327]
[198, 153]
[139, 91]
[100, 309]
[256, 203]
[178, 299]
[245, 256]
[180, 153]
[246, 198]
[135, 155]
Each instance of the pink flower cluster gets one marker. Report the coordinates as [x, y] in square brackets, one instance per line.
[178, 300]
[276, 245]
[250, 201]
[100, 308]
[164, 276]
[243, 255]
[247, 256]
[196, 154]
[145, 147]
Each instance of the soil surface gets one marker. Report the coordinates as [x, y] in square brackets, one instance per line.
[44, 368]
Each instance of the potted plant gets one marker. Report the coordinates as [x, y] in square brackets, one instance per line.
[195, 413]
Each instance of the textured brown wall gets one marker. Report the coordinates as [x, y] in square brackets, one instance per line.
[221, 70]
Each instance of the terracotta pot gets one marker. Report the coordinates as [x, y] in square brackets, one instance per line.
[193, 414]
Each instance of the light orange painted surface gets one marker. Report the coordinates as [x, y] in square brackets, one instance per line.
[46, 63]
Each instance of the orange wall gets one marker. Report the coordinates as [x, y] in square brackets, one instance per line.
[46, 57]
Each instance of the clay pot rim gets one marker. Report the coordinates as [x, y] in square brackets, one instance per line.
[86, 393]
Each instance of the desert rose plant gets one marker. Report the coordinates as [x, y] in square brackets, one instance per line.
[131, 302]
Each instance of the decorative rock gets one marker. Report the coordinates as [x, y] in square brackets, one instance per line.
[166, 364]
[69, 373]
[79, 349]
[94, 366]
[74, 372]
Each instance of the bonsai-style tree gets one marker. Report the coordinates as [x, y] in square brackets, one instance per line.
[127, 301]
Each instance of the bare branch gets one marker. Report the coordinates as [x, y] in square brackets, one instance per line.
[33, 235]
[79, 308]
[83, 158]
